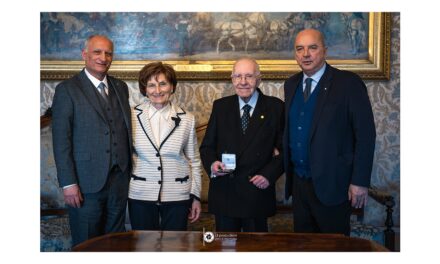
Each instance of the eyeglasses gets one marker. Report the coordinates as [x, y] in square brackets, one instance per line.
[247, 77]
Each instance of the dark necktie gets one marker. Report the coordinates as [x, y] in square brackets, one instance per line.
[246, 117]
[101, 88]
[308, 88]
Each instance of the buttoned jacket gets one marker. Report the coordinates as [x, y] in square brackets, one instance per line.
[170, 171]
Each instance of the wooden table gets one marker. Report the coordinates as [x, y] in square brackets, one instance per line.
[249, 242]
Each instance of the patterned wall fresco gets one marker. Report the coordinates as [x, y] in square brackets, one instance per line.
[197, 97]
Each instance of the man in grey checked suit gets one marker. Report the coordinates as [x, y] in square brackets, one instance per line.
[92, 144]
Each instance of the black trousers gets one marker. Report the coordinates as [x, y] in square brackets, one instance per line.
[102, 212]
[234, 224]
[312, 216]
[146, 215]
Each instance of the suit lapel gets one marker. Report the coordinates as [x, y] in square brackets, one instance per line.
[231, 124]
[86, 86]
[173, 122]
[124, 107]
[324, 88]
[292, 90]
[142, 117]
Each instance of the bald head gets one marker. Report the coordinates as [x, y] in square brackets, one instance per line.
[96, 37]
[246, 60]
[310, 32]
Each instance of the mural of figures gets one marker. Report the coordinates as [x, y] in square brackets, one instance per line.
[356, 31]
[202, 36]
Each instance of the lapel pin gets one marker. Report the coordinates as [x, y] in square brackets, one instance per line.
[262, 116]
[325, 88]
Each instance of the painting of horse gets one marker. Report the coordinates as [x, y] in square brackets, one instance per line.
[201, 35]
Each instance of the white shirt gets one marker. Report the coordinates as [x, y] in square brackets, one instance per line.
[96, 82]
[252, 102]
[315, 77]
[159, 119]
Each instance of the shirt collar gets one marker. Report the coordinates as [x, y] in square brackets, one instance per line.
[164, 112]
[252, 102]
[95, 81]
[317, 76]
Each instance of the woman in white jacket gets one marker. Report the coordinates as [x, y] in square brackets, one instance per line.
[165, 185]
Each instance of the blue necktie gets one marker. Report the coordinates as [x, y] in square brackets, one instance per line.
[246, 117]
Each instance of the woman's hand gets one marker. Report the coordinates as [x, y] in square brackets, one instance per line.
[195, 211]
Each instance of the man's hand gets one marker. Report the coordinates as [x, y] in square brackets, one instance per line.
[195, 211]
[216, 168]
[358, 195]
[260, 181]
[72, 196]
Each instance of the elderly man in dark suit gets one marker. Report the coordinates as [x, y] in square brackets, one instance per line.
[328, 141]
[240, 152]
[92, 144]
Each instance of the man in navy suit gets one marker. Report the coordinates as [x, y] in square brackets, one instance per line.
[244, 134]
[92, 144]
[328, 141]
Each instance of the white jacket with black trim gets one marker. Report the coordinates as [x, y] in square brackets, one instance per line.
[169, 172]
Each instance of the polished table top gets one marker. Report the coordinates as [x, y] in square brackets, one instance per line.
[173, 241]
